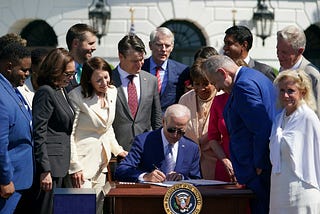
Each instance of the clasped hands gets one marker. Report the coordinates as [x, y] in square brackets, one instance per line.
[158, 176]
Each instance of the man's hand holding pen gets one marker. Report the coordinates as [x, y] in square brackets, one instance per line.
[155, 176]
[158, 176]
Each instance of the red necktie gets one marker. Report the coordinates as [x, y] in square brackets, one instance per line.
[132, 96]
[158, 69]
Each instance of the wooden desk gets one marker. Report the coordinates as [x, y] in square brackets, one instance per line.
[226, 199]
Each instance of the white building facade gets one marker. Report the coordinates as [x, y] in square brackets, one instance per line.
[210, 17]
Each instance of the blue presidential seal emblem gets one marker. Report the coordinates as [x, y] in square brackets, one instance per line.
[182, 198]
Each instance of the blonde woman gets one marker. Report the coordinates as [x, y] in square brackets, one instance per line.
[295, 147]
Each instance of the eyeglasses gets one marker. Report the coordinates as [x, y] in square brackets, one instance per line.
[68, 74]
[175, 130]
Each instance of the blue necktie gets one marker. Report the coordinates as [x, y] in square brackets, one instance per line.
[169, 160]
[23, 102]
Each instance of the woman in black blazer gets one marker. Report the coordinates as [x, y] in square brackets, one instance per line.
[52, 122]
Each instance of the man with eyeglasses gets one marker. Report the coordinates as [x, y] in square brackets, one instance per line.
[148, 159]
[172, 75]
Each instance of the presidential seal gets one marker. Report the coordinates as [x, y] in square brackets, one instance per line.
[182, 198]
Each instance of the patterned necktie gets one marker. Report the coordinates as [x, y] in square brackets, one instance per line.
[132, 96]
[169, 160]
[158, 69]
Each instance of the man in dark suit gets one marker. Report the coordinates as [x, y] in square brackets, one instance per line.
[16, 144]
[248, 115]
[147, 115]
[237, 44]
[172, 75]
[146, 160]
[81, 41]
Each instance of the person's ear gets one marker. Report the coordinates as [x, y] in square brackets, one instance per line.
[75, 42]
[8, 67]
[163, 121]
[245, 45]
[121, 56]
[222, 72]
[300, 51]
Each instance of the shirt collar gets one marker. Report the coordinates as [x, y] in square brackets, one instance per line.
[295, 66]
[123, 73]
[165, 141]
[247, 60]
[153, 65]
[236, 74]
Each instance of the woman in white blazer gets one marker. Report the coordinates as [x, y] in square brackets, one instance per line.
[93, 139]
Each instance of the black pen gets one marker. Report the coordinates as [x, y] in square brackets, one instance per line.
[155, 167]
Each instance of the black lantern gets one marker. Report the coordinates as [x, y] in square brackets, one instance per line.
[263, 20]
[99, 16]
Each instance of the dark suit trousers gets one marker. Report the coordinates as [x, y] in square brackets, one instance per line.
[260, 185]
[44, 201]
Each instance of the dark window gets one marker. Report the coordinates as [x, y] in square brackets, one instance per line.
[39, 33]
[313, 44]
[188, 39]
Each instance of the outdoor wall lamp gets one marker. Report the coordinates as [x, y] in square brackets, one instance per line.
[99, 16]
[263, 20]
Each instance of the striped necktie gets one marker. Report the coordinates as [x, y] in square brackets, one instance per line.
[158, 69]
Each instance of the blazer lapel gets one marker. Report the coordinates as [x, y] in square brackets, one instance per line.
[64, 102]
[181, 154]
[121, 96]
[95, 111]
[170, 72]
[10, 90]
[143, 89]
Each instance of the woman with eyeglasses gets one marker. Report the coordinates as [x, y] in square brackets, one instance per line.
[53, 118]
[93, 139]
[295, 147]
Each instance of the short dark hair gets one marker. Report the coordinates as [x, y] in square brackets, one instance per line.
[14, 52]
[11, 38]
[94, 63]
[196, 71]
[205, 52]
[38, 54]
[53, 66]
[240, 34]
[131, 42]
[78, 31]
